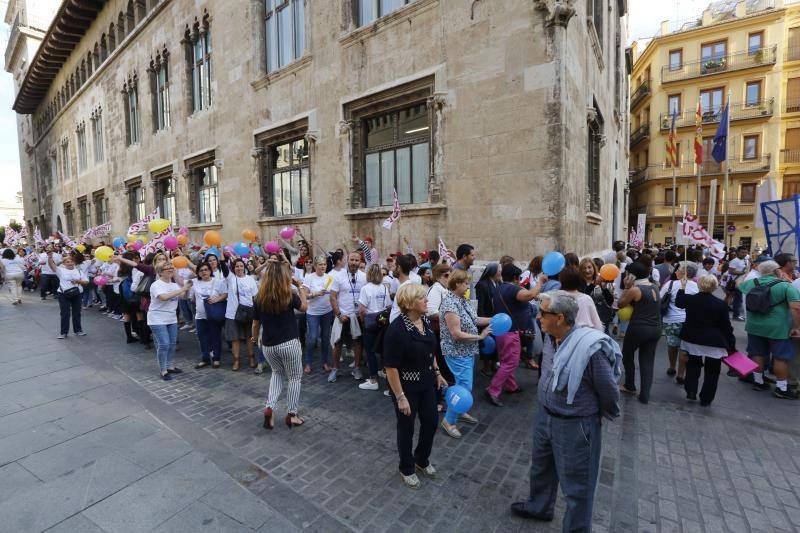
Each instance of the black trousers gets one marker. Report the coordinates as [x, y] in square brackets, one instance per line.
[644, 339]
[423, 405]
[710, 378]
[48, 283]
[70, 306]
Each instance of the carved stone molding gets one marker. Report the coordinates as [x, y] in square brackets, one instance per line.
[591, 114]
[345, 126]
[557, 12]
[256, 153]
[311, 137]
[437, 101]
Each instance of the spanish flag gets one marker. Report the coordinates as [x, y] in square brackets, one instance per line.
[672, 151]
[698, 137]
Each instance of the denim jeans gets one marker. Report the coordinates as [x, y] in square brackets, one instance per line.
[461, 367]
[368, 338]
[48, 283]
[565, 451]
[88, 292]
[204, 338]
[737, 303]
[185, 308]
[319, 327]
[214, 331]
[69, 306]
[165, 335]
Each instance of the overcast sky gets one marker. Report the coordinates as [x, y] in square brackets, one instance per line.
[645, 16]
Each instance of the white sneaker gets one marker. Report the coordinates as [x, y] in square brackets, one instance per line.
[387, 393]
[62, 336]
[352, 365]
[369, 385]
[357, 374]
[428, 471]
[411, 481]
[382, 374]
[185, 327]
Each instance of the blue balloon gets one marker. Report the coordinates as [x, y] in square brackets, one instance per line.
[552, 263]
[241, 249]
[212, 251]
[458, 399]
[118, 242]
[489, 345]
[501, 324]
[256, 249]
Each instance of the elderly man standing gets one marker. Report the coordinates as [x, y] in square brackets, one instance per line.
[773, 312]
[579, 385]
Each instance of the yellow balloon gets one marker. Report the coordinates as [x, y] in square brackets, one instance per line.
[158, 225]
[132, 238]
[81, 248]
[104, 253]
[142, 238]
[625, 313]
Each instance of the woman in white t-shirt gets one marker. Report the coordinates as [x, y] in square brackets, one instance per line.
[15, 273]
[319, 315]
[209, 333]
[241, 291]
[161, 316]
[70, 286]
[373, 299]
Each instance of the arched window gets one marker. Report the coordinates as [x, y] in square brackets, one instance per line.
[141, 11]
[83, 71]
[96, 56]
[120, 27]
[89, 69]
[112, 38]
[103, 48]
[130, 21]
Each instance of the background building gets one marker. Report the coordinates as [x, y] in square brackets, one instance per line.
[749, 50]
[498, 123]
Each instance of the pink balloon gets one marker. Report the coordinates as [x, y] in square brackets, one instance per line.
[184, 231]
[287, 233]
[100, 281]
[272, 247]
[171, 242]
[137, 245]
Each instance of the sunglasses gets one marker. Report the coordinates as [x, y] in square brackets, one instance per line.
[548, 313]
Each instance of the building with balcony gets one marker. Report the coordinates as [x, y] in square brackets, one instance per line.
[267, 113]
[745, 53]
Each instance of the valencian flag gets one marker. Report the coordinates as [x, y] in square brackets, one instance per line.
[672, 150]
[698, 137]
[720, 150]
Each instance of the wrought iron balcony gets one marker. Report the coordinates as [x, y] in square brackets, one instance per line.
[734, 206]
[792, 53]
[639, 134]
[791, 105]
[642, 91]
[740, 111]
[715, 65]
[790, 156]
[737, 165]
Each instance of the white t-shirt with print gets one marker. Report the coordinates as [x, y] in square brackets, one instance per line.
[375, 297]
[67, 278]
[45, 265]
[318, 305]
[162, 312]
[676, 315]
[202, 290]
[248, 288]
[347, 290]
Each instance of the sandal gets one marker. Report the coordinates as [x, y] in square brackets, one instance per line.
[307, 370]
[215, 364]
[268, 418]
[290, 420]
[252, 362]
[235, 366]
[201, 364]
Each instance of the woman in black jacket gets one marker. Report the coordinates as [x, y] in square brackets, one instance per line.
[484, 293]
[707, 336]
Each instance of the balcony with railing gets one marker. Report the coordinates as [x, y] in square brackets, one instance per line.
[639, 134]
[642, 91]
[715, 65]
[741, 111]
[790, 156]
[736, 165]
[791, 53]
[734, 206]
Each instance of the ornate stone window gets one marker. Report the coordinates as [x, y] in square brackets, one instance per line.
[285, 32]
[392, 142]
[84, 213]
[80, 132]
[65, 170]
[97, 133]
[69, 216]
[130, 93]
[202, 175]
[100, 206]
[595, 142]
[197, 42]
[285, 170]
[367, 11]
[159, 89]
[164, 185]
[136, 200]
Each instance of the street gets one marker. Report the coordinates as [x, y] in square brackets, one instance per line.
[92, 440]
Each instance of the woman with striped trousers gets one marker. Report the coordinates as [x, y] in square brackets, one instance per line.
[280, 339]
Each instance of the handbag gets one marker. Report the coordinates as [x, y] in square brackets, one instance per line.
[72, 292]
[244, 313]
[525, 335]
[143, 287]
[372, 320]
[216, 311]
[667, 299]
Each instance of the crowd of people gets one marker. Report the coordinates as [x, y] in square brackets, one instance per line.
[418, 323]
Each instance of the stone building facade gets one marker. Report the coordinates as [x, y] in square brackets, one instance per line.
[501, 124]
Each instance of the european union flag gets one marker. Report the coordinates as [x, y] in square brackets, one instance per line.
[720, 150]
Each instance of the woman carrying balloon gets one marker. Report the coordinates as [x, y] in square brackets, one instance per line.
[459, 342]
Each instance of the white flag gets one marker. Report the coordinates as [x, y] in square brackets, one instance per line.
[395, 213]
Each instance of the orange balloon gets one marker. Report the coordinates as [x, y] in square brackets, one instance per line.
[180, 262]
[249, 235]
[609, 272]
[182, 239]
[212, 238]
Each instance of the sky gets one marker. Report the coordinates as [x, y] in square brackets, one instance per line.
[9, 152]
[645, 16]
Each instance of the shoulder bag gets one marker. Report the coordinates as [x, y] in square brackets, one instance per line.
[143, 287]
[525, 335]
[372, 320]
[667, 299]
[244, 313]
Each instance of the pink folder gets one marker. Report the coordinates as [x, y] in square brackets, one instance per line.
[740, 363]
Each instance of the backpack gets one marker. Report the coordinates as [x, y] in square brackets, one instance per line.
[758, 300]
[127, 292]
[667, 299]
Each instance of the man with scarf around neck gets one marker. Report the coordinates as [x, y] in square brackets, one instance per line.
[579, 386]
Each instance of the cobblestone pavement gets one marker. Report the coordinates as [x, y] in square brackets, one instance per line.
[88, 424]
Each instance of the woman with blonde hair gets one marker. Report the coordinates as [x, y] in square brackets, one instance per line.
[274, 307]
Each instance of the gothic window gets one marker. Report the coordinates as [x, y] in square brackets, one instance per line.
[112, 38]
[208, 194]
[84, 214]
[130, 94]
[65, 174]
[159, 86]
[130, 20]
[120, 27]
[594, 146]
[81, 135]
[198, 56]
[103, 48]
[70, 218]
[594, 12]
[100, 207]
[97, 134]
[285, 33]
[136, 199]
[89, 69]
[165, 195]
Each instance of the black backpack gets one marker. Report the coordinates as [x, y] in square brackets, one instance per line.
[758, 300]
[667, 299]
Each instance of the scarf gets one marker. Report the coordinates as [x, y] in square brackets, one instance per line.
[572, 357]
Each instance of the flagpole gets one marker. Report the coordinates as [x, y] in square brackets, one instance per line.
[727, 168]
[674, 194]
